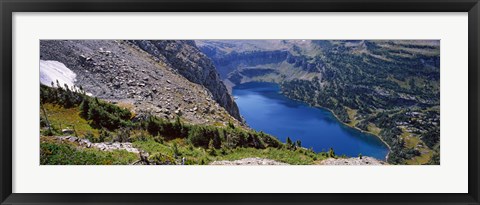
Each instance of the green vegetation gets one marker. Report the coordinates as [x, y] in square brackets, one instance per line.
[298, 156]
[104, 115]
[166, 142]
[200, 155]
[380, 87]
[53, 152]
[100, 114]
[209, 136]
[65, 118]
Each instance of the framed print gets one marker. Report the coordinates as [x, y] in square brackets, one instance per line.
[239, 102]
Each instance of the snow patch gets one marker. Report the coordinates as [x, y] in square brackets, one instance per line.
[51, 71]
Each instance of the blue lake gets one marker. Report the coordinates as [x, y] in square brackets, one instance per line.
[266, 109]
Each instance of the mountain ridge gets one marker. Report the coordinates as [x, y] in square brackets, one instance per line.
[120, 72]
[185, 57]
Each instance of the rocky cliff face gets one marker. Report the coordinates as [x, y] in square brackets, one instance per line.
[228, 62]
[176, 81]
[261, 60]
[189, 61]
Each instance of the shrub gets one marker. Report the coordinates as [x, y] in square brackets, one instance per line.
[159, 139]
[104, 135]
[161, 159]
[123, 135]
[331, 153]
[176, 152]
[89, 135]
[298, 143]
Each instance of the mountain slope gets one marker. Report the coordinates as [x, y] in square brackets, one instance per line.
[184, 57]
[388, 88]
[120, 72]
[98, 132]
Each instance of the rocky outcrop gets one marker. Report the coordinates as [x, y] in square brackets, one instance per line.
[189, 61]
[121, 73]
[304, 62]
[267, 60]
[249, 161]
[353, 161]
[103, 146]
[240, 76]
[226, 63]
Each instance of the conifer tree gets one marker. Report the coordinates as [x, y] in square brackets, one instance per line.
[331, 153]
[289, 141]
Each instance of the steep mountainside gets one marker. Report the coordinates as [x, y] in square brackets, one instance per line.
[184, 57]
[388, 88]
[167, 85]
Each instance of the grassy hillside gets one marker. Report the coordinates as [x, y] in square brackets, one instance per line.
[57, 152]
[161, 141]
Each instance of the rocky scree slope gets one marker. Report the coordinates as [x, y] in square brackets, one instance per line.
[121, 72]
[188, 60]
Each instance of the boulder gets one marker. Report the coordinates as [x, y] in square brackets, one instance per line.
[68, 131]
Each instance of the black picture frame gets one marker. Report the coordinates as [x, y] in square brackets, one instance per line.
[7, 8]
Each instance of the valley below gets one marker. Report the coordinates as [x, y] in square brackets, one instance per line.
[386, 88]
[240, 102]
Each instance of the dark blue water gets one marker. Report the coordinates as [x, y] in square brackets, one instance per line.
[266, 109]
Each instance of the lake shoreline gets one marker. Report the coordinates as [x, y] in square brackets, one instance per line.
[389, 148]
[338, 119]
[334, 117]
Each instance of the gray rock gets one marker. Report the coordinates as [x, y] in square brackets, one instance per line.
[353, 161]
[249, 161]
[72, 139]
[68, 131]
